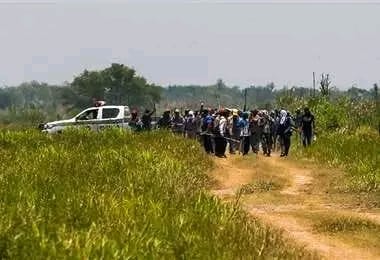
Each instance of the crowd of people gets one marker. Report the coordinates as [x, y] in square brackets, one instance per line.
[239, 131]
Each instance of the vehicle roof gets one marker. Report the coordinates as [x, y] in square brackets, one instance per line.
[107, 106]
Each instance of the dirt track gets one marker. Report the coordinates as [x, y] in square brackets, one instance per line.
[300, 194]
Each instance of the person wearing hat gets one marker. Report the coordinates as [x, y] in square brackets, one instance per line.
[234, 130]
[178, 123]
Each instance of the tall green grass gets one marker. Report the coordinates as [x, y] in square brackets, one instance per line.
[113, 195]
[357, 152]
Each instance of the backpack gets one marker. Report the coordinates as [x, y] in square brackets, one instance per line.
[207, 123]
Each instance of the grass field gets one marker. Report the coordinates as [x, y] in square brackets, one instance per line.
[118, 195]
[357, 153]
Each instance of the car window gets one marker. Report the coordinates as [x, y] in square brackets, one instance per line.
[110, 113]
[89, 115]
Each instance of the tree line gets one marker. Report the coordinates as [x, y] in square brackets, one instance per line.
[120, 84]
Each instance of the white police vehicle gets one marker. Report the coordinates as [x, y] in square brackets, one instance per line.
[94, 118]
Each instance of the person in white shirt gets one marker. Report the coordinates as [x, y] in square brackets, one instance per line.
[220, 134]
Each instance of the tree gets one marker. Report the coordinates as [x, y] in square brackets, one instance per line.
[325, 84]
[117, 84]
[89, 84]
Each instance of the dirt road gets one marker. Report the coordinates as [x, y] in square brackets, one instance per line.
[297, 198]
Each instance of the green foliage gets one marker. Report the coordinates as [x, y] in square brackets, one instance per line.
[23, 117]
[338, 114]
[114, 194]
[120, 84]
[117, 84]
[260, 186]
[357, 152]
[347, 138]
[338, 224]
[217, 94]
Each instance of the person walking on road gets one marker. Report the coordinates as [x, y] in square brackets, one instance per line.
[267, 135]
[307, 127]
[284, 130]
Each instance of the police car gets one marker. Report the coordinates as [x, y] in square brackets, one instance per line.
[94, 118]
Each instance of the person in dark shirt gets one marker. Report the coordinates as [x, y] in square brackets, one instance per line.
[256, 125]
[165, 121]
[135, 122]
[147, 119]
[284, 131]
[267, 134]
[307, 127]
[177, 123]
[207, 126]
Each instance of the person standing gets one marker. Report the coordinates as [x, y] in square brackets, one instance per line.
[277, 141]
[147, 119]
[267, 134]
[165, 121]
[220, 134]
[198, 123]
[135, 123]
[307, 127]
[274, 129]
[244, 133]
[228, 116]
[207, 127]
[190, 125]
[256, 126]
[234, 131]
[284, 131]
[178, 123]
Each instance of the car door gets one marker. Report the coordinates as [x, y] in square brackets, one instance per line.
[88, 119]
[110, 117]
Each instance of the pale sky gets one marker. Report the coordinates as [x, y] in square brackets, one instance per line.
[192, 42]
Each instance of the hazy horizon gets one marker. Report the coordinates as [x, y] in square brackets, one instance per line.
[192, 42]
